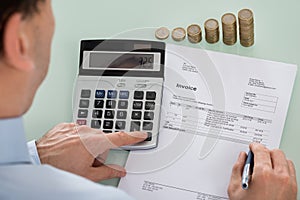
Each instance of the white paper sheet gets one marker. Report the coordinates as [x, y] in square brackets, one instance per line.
[214, 105]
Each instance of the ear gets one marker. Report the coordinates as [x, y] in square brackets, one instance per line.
[16, 44]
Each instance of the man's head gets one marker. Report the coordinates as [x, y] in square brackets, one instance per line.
[26, 30]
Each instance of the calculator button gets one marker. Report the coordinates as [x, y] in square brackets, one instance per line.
[120, 125]
[137, 105]
[124, 95]
[110, 104]
[96, 124]
[150, 95]
[109, 114]
[140, 86]
[85, 94]
[97, 114]
[123, 104]
[84, 103]
[149, 138]
[121, 115]
[135, 126]
[138, 95]
[99, 104]
[121, 85]
[112, 94]
[107, 131]
[148, 115]
[82, 113]
[149, 105]
[136, 115]
[108, 124]
[147, 126]
[81, 122]
[100, 94]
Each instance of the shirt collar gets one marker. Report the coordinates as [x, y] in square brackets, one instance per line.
[13, 148]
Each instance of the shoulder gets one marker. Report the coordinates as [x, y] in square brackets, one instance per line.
[34, 182]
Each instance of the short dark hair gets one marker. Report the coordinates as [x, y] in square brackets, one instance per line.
[8, 7]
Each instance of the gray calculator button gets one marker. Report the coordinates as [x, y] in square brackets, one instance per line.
[149, 105]
[147, 126]
[84, 103]
[136, 115]
[96, 124]
[123, 104]
[121, 114]
[124, 94]
[82, 113]
[137, 105]
[135, 126]
[148, 115]
[97, 114]
[150, 95]
[85, 94]
[120, 125]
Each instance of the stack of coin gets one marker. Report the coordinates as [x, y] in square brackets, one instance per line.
[246, 27]
[162, 33]
[178, 34]
[194, 33]
[211, 31]
[229, 28]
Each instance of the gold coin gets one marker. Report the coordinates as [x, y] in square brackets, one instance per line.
[228, 18]
[211, 31]
[229, 28]
[245, 14]
[211, 24]
[178, 34]
[194, 33]
[246, 27]
[162, 33]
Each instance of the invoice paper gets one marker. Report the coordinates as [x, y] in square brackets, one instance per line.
[214, 105]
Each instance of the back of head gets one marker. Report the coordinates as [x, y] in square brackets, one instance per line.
[26, 31]
[9, 7]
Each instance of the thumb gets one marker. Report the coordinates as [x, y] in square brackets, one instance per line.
[105, 172]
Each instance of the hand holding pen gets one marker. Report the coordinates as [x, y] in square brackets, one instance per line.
[273, 176]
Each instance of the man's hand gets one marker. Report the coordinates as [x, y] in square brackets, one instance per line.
[273, 177]
[82, 150]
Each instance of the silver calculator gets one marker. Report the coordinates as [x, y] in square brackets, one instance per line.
[119, 87]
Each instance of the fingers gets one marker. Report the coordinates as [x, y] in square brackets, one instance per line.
[236, 175]
[122, 139]
[238, 167]
[105, 172]
[279, 161]
[293, 175]
[262, 157]
[292, 168]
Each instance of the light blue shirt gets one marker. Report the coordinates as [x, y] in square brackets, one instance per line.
[20, 179]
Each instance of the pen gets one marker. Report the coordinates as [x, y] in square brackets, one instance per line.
[248, 169]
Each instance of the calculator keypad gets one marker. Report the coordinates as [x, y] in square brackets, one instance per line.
[118, 110]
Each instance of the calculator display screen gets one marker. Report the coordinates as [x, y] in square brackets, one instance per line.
[119, 61]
